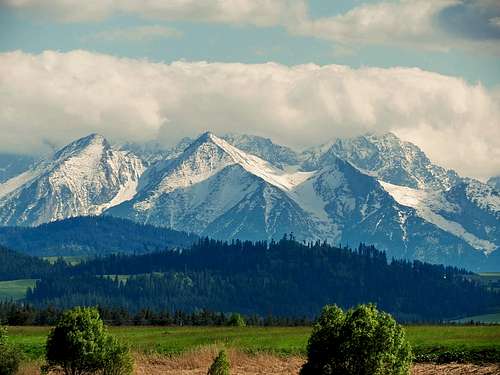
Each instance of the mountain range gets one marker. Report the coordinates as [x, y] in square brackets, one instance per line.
[374, 188]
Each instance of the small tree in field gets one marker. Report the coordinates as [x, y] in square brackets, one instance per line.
[80, 345]
[9, 357]
[361, 341]
[220, 365]
[236, 320]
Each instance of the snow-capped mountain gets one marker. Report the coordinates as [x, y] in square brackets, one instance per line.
[373, 189]
[84, 178]
[199, 190]
[463, 207]
[392, 160]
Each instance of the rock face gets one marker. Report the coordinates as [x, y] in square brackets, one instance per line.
[84, 178]
[375, 189]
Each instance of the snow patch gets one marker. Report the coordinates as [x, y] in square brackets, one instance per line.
[16, 182]
[425, 202]
[282, 179]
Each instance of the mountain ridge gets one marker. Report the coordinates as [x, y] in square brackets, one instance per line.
[373, 188]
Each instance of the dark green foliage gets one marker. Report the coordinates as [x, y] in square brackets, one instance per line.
[118, 360]
[360, 341]
[88, 236]
[236, 320]
[79, 345]
[220, 365]
[14, 266]
[284, 278]
[9, 357]
[20, 314]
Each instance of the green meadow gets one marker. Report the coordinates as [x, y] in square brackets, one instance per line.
[15, 289]
[430, 343]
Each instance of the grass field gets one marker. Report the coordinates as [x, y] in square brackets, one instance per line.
[15, 289]
[284, 341]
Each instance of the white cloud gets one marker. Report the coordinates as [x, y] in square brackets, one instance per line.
[53, 97]
[135, 34]
[410, 23]
[255, 12]
[401, 22]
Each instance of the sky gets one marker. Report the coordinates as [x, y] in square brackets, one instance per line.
[300, 72]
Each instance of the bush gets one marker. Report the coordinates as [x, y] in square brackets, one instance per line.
[9, 357]
[362, 341]
[79, 344]
[118, 360]
[220, 365]
[236, 320]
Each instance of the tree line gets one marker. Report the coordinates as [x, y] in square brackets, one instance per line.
[278, 278]
[23, 314]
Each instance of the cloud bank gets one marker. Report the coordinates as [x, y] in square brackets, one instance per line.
[53, 97]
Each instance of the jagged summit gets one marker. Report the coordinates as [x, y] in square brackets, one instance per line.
[83, 178]
[393, 160]
[95, 141]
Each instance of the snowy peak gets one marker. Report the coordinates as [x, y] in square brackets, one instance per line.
[200, 160]
[261, 168]
[93, 143]
[209, 154]
[393, 160]
[83, 178]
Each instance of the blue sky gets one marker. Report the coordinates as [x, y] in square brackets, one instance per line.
[34, 31]
[427, 70]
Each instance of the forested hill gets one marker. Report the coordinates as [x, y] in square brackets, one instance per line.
[19, 266]
[284, 278]
[92, 236]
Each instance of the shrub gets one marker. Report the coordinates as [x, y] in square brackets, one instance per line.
[236, 320]
[362, 341]
[79, 344]
[220, 365]
[9, 357]
[117, 360]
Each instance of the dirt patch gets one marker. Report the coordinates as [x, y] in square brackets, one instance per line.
[455, 369]
[197, 363]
